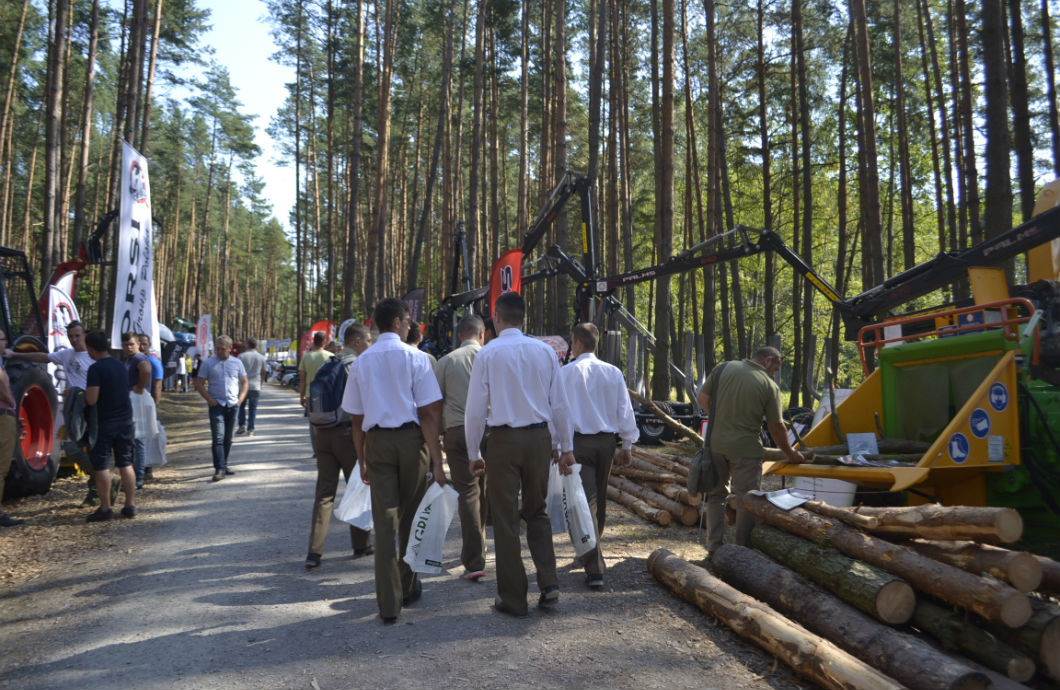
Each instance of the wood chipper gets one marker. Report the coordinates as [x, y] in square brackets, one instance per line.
[977, 385]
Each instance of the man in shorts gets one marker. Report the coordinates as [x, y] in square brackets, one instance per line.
[108, 390]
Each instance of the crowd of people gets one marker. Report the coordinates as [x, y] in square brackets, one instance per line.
[497, 411]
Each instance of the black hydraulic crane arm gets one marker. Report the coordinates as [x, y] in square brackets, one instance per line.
[747, 242]
[570, 184]
[948, 267]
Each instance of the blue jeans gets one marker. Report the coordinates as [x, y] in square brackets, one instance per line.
[222, 426]
[251, 401]
[139, 460]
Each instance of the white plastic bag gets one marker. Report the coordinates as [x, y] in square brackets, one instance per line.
[554, 501]
[579, 517]
[355, 508]
[433, 517]
[145, 420]
[156, 448]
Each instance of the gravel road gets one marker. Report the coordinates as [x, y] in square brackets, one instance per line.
[206, 590]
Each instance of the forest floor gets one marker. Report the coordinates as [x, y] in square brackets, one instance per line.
[206, 589]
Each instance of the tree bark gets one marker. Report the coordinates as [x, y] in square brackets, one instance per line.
[901, 656]
[1021, 118]
[1050, 83]
[86, 128]
[997, 216]
[872, 590]
[955, 632]
[653, 460]
[1018, 568]
[991, 599]
[353, 209]
[646, 511]
[931, 521]
[640, 475]
[677, 491]
[686, 514]
[53, 137]
[1050, 575]
[1039, 637]
[807, 654]
[869, 192]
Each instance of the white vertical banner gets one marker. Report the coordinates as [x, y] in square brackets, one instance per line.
[61, 311]
[203, 337]
[134, 294]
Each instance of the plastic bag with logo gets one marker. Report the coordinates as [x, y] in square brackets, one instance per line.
[579, 517]
[554, 501]
[432, 520]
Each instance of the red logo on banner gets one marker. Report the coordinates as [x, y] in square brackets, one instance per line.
[507, 275]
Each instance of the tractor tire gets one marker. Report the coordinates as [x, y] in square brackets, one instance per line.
[652, 431]
[36, 402]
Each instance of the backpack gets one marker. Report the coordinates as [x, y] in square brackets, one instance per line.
[325, 394]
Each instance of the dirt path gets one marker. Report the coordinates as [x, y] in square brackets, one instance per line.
[206, 590]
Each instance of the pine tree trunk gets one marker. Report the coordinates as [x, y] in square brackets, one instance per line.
[86, 128]
[1021, 119]
[53, 137]
[997, 216]
[1050, 84]
[354, 259]
[869, 184]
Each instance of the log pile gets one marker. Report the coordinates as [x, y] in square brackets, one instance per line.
[924, 595]
[653, 487]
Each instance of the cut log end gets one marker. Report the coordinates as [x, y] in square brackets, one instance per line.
[1024, 572]
[895, 602]
[1009, 526]
[1020, 669]
[1016, 610]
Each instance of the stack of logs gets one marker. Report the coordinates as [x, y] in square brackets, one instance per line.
[653, 487]
[867, 597]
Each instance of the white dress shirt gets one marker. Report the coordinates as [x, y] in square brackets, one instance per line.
[387, 382]
[597, 399]
[515, 379]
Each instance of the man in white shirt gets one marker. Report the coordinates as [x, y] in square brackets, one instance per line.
[516, 381]
[254, 363]
[599, 411]
[393, 396]
[74, 360]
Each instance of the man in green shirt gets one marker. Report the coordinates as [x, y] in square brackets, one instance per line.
[747, 394]
[307, 369]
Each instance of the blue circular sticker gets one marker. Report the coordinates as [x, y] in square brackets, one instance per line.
[958, 447]
[999, 397]
[979, 423]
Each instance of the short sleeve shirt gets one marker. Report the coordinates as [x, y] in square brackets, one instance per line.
[75, 364]
[222, 378]
[253, 361]
[387, 382]
[113, 406]
[133, 365]
[746, 395]
[157, 372]
[311, 363]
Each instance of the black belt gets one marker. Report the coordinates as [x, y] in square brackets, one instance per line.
[601, 433]
[406, 425]
[10, 412]
[537, 425]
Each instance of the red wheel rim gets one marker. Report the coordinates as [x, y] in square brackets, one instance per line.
[36, 423]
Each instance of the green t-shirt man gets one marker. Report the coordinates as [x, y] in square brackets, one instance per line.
[308, 367]
[746, 395]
